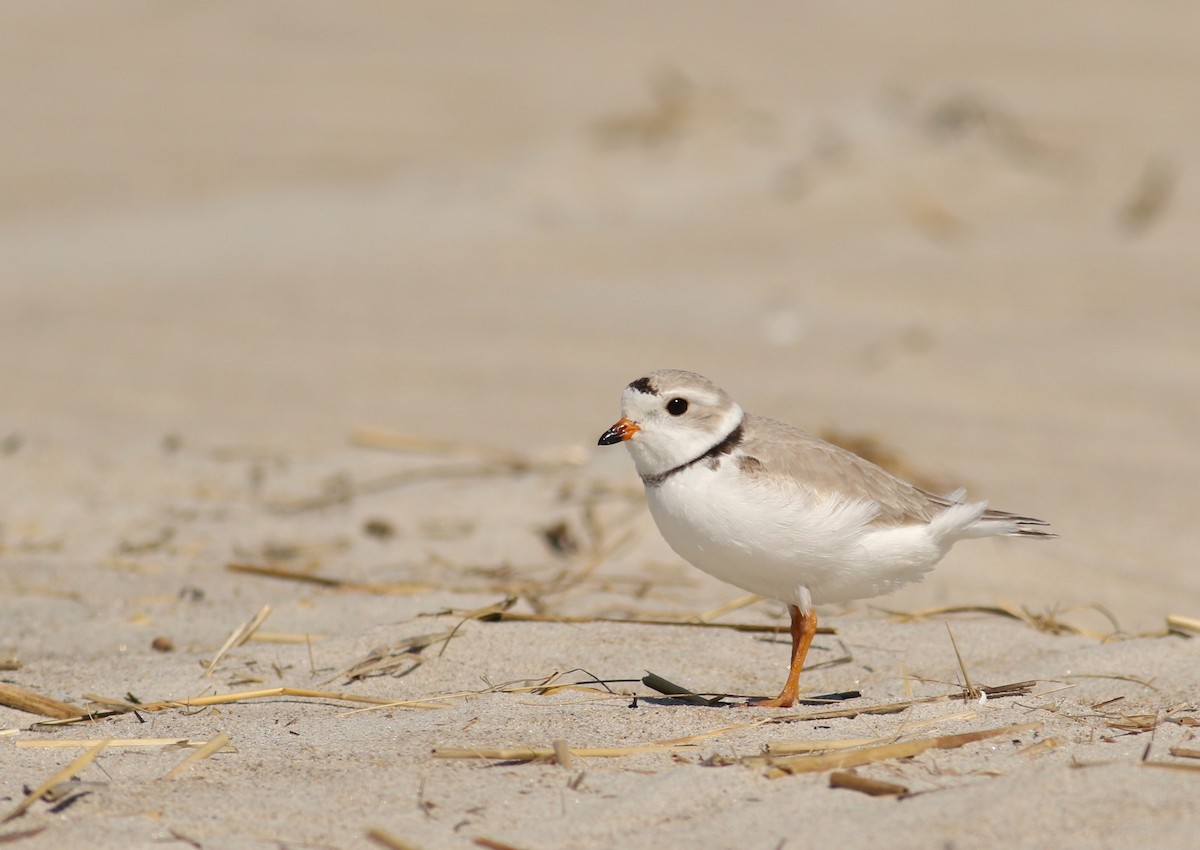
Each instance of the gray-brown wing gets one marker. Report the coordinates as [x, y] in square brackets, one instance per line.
[827, 470]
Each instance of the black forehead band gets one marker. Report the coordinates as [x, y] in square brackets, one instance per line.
[643, 385]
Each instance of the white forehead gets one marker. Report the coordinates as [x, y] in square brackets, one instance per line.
[653, 390]
[668, 382]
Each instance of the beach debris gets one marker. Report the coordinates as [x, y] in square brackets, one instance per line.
[670, 689]
[492, 844]
[60, 776]
[23, 699]
[109, 707]
[1149, 198]
[384, 661]
[1047, 622]
[385, 839]
[165, 743]
[872, 787]
[479, 461]
[886, 752]
[781, 754]
[239, 636]
[379, 587]
[380, 529]
[969, 690]
[1180, 623]
[213, 745]
[507, 616]
[561, 539]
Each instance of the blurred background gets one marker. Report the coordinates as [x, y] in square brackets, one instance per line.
[966, 231]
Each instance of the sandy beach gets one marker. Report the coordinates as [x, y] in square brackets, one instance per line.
[316, 314]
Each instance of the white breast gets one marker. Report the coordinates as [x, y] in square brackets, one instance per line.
[772, 538]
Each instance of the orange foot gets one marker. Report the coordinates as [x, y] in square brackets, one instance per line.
[804, 626]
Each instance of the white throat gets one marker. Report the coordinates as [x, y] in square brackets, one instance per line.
[662, 445]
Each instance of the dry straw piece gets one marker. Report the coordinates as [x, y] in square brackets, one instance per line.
[492, 844]
[383, 661]
[31, 701]
[117, 742]
[871, 787]
[554, 753]
[1172, 765]
[66, 773]
[866, 748]
[499, 613]
[1048, 622]
[779, 748]
[398, 588]
[286, 637]
[117, 706]
[240, 636]
[215, 744]
[483, 462]
[386, 839]
[886, 752]
[1182, 623]
[1012, 690]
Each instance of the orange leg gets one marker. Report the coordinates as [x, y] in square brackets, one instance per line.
[803, 628]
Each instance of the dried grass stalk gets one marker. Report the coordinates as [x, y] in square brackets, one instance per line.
[887, 752]
[777, 748]
[61, 776]
[491, 463]
[397, 441]
[872, 787]
[216, 743]
[285, 637]
[243, 696]
[1041, 747]
[301, 693]
[969, 689]
[550, 753]
[518, 617]
[993, 692]
[382, 588]
[1187, 624]
[1049, 622]
[492, 844]
[728, 607]
[382, 661]
[31, 701]
[117, 742]
[791, 748]
[1172, 765]
[562, 753]
[386, 839]
[240, 635]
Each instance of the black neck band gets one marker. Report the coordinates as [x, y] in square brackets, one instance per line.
[727, 445]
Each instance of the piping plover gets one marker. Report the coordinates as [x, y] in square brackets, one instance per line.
[783, 514]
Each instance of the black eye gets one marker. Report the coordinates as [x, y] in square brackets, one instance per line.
[677, 406]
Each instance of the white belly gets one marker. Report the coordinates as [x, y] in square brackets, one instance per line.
[777, 543]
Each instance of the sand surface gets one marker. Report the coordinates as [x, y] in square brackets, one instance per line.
[244, 245]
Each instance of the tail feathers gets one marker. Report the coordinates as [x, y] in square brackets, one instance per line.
[963, 519]
[1002, 522]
